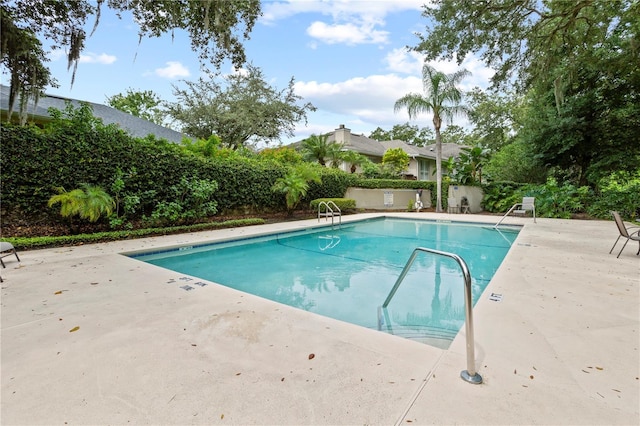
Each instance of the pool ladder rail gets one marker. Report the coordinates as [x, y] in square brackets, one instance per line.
[330, 210]
[469, 375]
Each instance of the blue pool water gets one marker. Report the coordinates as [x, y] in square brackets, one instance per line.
[347, 272]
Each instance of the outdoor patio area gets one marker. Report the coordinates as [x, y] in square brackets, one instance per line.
[90, 336]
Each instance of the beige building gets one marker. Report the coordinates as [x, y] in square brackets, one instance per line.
[422, 163]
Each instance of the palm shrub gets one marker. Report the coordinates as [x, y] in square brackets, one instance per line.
[88, 202]
[354, 159]
[295, 184]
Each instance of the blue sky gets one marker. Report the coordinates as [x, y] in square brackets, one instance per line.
[348, 58]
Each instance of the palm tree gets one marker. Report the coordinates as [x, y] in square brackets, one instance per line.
[315, 148]
[442, 98]
[354, 159]
[335, 154]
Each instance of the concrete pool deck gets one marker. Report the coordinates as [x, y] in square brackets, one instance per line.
[89, 336]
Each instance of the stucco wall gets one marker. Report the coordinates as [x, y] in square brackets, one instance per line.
[398, 199]
[474, 195]
[386, 199]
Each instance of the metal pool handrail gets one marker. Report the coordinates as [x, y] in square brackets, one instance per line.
[469, 375]
[329, 211]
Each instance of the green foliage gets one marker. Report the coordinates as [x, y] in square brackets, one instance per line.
[396, 160]
[295, 183]
[283, 155]
[334, 184]
[468, 166]
[242, 109]
[88, 202]
[191, 200]
[528, 38]
[371, 170]
[28, 243]
[576, 62]
[516, 162]
[494, 117]
[500, 196]
[552, 200]
[207, 148]
[126, 204]
[316, 148]
[214, 30]
[24, 57]
[455, 134]
[344, 204]
[618, 191]
[413, 135]
[144, 104]
[353, 159]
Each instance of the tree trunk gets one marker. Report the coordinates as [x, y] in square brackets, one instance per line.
[436, 124]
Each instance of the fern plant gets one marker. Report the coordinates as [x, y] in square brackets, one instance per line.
[88, 202]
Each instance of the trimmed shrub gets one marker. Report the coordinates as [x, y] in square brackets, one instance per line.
[344, 204]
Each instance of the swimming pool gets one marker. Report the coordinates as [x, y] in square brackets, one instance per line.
[347, 272]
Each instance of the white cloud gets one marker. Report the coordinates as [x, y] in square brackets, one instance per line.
[410, 62]
[404, 61]
[338, 9]
[92, 58]
[350, 22]
[173, 70]
[370, 99]
[349, 33]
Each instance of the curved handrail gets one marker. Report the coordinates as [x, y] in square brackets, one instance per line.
[329, 211]
[469, 375]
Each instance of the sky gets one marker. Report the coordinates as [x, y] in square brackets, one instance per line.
[349, 58]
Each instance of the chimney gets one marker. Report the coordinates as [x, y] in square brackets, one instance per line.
[342, 134]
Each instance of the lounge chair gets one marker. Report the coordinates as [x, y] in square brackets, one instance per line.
[453, 205]
[624, 233]
[7, 249]
[527, 204]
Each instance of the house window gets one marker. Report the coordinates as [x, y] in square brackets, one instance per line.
[423, 169]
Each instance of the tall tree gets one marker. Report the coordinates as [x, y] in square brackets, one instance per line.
[144, 104]
[576, 61]
[523, 37]
[442, 98]
[455, 134]
[23, 55]
[240, 109]
[494, 117]
[411, 134]
[395, 160]
[212, 26]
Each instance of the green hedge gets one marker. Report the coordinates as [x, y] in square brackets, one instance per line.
[27, 243]
[344, 204]
[34, 162]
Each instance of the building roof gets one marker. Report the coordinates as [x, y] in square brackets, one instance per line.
[133, 125]
[374, 148]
